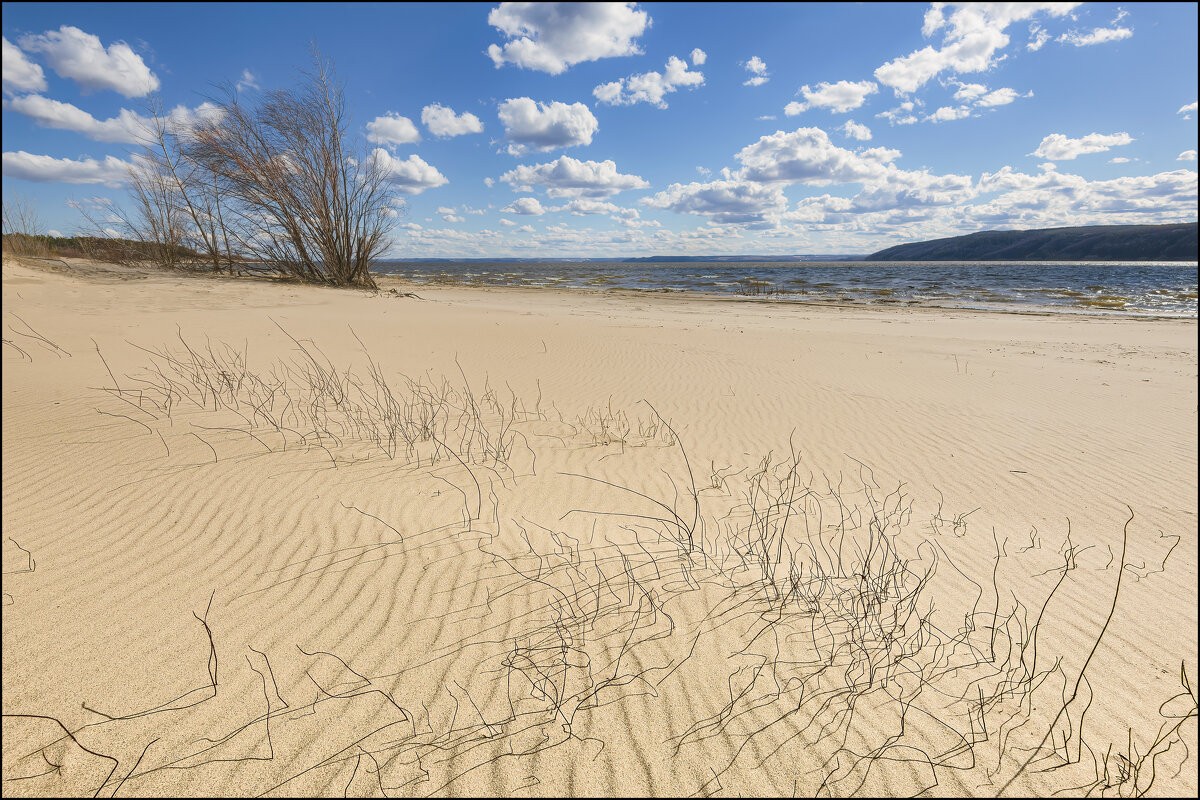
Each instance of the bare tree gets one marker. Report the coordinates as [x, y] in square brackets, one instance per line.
[192, 191]
[173, 218]
[295, 195]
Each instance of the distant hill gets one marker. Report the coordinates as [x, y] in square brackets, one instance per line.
[1092, 243]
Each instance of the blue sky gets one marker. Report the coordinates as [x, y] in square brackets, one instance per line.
[619, 129]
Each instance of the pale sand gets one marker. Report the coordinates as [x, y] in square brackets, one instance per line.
[401, 649]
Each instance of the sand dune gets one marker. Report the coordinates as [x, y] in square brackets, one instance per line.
[271, 539]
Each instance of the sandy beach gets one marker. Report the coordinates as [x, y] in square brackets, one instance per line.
[267, 538]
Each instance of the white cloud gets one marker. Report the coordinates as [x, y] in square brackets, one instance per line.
[1097, 36]
[649, 87]
[727, 202]
[854, 130]
[699, 57]
[248, 81]
[838, 97]
[1055, 198]
[1037, 38]
[442, 121]
[411, 175]
[569, 177]
[453, 218]
[20, 74]
[545, 126]
[1057, 147]
[47, 169]
[1001, 97]
[582, 207]
[1187, 155]
[972, 97]
[1118, 160]
[489, 182]
[183, 117]
[392, 129]
[527, 206]
[948, 113]
[507, 222]
[551, 37]
[973, 36]
[1187, 110]
[80, 56]
[901, 114]
[127, 127]
[969, 91]
[806, 155]
[758, 68]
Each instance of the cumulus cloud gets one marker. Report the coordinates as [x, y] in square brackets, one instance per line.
[699, 57]
[411, 175]
[972, 37]
[392, 129]
[1118, 160]
[649, 87]
[1187, 110]
[569, 177]
[1057, 147]
[854, 130]
[20, 74]
[1187, 155]
[838, 97]
[806, 155]
[948, 113]
[442, 121]
[127, 127]
[528, 206]
[758, 69]
[1002, 97]
[47, 169]
[1056, 198]
[583, 207]
[551, 37]
[731, 201]
[1097, 36]
[529, 125]
[969, 91]
[80, 56]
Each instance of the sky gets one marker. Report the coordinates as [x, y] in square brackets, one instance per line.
[637, 129]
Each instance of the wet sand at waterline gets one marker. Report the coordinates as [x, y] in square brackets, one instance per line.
[263, 538]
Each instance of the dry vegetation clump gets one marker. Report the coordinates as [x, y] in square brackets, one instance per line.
[851, 660]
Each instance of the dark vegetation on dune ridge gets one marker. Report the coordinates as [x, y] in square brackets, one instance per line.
[817, 602]
[1175, 242]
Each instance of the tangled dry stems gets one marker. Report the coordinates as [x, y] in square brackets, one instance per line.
[811, 599]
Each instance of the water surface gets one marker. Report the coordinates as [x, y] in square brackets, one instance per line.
[1123, 288]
